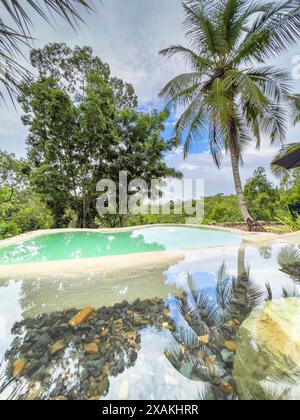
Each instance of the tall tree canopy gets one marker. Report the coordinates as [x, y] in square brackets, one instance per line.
[231, 92]
[83, 127]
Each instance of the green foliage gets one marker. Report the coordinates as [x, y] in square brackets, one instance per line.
[21, 210]
[82, 129]
[33, 215]
[288, 225]
[262, 197]
[231, 92]
[222, 209]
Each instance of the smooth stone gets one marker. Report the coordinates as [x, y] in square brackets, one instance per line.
[230, 345]
[91, 348]
[227, 356]
[18, 368]
[268, 354]
[138, 321]
[44, 339]
[57, 347]
[226, 388]
[81, 317]
[204, 339]
[103, 387]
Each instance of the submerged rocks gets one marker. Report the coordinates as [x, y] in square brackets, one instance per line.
[91, 348]
[72, 354]
[227, 357]
[57, 347]
[81, 317]
[268, 352]
[204, 339]
[18, 368]
[231, 346]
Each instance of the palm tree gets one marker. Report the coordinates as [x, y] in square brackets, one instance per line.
[15, 32]
[230, 92]
[296, 107]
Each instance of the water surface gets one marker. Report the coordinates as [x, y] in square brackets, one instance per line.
[165, 308]
[78, 245]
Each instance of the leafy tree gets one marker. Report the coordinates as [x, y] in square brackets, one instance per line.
[141, 149]
[222, 209]
[68, 144]
[83, 128]
[12, 176]
[261, 196]
[70, 68]
[21, 210]
[231, 93]
[32, 213]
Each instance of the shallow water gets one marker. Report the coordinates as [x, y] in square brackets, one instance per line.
[78, 245]
[151, 368]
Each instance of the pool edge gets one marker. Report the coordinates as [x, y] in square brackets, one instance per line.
[35, 234]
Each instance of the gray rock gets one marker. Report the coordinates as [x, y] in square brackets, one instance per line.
[227, 356]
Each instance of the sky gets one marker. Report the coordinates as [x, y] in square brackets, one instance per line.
[127, 34]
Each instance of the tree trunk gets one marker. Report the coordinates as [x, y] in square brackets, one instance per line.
[237, 180]
[83, 211]
[122, 220]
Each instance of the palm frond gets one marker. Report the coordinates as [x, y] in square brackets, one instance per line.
[274, 83]
[201, 26]
[274, 123]
[216, 142]
[274, 30]
[191, 58]
[20, 11]
[181, 90]
[17, 35]
[251, 93]
[295, 103]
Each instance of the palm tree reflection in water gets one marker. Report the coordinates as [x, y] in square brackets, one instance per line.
[207, 324]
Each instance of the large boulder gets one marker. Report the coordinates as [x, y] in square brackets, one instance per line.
[267, 362]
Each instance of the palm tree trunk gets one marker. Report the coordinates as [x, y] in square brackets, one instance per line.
[237, 180]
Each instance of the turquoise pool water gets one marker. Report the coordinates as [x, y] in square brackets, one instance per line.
[78, 245]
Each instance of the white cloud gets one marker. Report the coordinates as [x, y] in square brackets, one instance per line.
[128, 35]
[188, 167]
[217, 181]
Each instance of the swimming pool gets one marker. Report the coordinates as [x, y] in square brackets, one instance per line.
[80, 245]
[161, 332]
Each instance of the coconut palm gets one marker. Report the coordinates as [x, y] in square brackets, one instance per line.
[230, 92]
[15, 32]
[296, 108]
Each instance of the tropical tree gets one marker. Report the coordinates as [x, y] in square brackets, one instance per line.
[83, 127]
[16, 32]
[262, 197]
[70, 146]
[231, 93]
